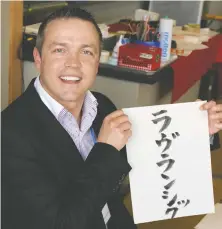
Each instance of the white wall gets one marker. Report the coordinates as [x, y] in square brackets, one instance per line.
[182, 11]
[5, 52]
[112, 11]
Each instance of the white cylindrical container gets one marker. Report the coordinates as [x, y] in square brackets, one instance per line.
[166, 28]
[104, 56]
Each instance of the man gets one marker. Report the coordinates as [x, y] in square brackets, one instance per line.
[63, 155]
[55, 175]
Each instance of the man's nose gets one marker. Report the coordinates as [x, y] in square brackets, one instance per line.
[73, 60]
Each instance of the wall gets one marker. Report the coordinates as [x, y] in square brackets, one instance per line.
[215, 7]
[4, 52]
[182, 11]
[110, 12]
[187, 11]
[101, 10]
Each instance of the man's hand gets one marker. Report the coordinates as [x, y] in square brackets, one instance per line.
[115, 130]
[214, 116]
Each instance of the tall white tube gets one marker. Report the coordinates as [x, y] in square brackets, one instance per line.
[166, 29]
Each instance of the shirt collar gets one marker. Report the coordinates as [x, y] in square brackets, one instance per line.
[51, 103]
[56, 108]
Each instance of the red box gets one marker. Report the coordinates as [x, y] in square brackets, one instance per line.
[140, 57]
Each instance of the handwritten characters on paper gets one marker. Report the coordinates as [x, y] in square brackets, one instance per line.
[173, 204]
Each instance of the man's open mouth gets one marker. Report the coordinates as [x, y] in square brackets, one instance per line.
[70, 79]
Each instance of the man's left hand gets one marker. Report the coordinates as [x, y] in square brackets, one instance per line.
[214, 116]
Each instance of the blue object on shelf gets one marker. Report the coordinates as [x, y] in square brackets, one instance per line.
[149, 43]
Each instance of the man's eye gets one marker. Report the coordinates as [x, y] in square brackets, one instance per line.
[59, 50]
[87, 52]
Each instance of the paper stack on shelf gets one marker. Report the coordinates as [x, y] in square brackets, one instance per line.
[190, 41]
[32, 29]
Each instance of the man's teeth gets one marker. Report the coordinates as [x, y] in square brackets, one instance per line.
[72, 78]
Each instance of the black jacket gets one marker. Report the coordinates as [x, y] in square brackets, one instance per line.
[45, 182]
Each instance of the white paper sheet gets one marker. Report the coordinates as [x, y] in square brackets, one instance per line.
[190, 152]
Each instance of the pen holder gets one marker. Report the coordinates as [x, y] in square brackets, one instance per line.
[140, 57]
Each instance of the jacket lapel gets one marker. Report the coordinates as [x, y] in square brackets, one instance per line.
[50, 132]
[48, 129]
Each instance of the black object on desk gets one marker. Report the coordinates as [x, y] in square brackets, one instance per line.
[28, 44]
[133, 75]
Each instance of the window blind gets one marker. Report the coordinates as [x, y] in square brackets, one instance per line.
[111, 11]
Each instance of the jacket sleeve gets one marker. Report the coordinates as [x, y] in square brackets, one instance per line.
[106, 106]
[215, 142]
[32, 197]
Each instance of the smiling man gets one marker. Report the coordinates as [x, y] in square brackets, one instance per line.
[67, 56]
[63, 147]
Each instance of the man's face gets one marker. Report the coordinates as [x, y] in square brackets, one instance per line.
[69, 60]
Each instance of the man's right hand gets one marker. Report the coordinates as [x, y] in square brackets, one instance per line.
[115, 130]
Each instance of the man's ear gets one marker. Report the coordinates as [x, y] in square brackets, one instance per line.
[37, 59]
[97, 67]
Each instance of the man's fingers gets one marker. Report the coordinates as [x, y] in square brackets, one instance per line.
[217, 108]
[124, 126]
[114, 114]
[218, 126]
[118, 120]
[208, 105]
[128, 133]
[216, 116]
